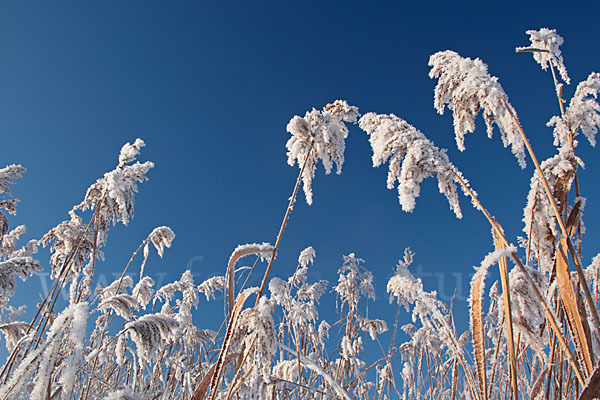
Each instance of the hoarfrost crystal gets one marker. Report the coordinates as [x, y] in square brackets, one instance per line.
[545, 46]
[467, 88]
[412, 157]
[319, 135]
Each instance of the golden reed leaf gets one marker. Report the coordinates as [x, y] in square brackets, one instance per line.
[576, 323]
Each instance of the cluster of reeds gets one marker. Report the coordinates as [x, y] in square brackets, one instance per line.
[534, 336]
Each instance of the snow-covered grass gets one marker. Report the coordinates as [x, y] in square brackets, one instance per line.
[533, 334]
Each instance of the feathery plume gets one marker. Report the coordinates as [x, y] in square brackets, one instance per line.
[319, 135]
[545, 46]
[411, 157]
[583, 113]
[160, 237]
[151, 333]
[467, 88]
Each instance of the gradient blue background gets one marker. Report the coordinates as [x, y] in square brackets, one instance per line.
[210, 87]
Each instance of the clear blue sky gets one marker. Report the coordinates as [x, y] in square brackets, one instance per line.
[210, 87]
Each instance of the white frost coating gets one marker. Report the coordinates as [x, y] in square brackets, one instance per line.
[373, 327]
[117, 188]
[481, 272]
[487, 262]
[354, 281]
[122, 304]
[435, 334]
[161, 237]
[151, 333]
[319, 135]
[13, 331]
[122, 394]
[65, 238]
[8, 243]
[19, 266]
[583, 112]
[8, 176]
[130, 151]
[539, 218]
[412, 158]
[311, 365]
[76, 340]
[307, 256]
[467, 88]
[121, 284]
[549, 42]
[301, 306]
[143, 291]
[69, 325]
[529, 317]
[263, 250]
[212, 285]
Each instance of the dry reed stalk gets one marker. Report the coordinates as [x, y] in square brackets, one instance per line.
[539, 384]
[498, 233]
[563, 228]
[454, 379]
[540, 298]
[283, 224]
[5, 373]
[574, 319]
[227, 340]
[204, 384]
[238, 253]
[496, 354]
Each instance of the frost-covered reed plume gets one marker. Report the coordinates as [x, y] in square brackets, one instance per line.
[319, 135]
[411, 157]
[533, 334]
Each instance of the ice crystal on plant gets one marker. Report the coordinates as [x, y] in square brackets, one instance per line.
[117, 287]
[143, 291]
[254, 335]
[545, 46]
[8, 243]
[212, 285]
[122, 304]
[75, 339]
[151, 333]
[373, 327]
[115, 191]
[66, 237]
[411, 157]
[19, 266]
[160, 237]
[307, 256]
[122, 394]
[538, 215]
[435, 334]
[3, 227]
[467, 88]
[319, 135]
[487, 262]
[8, 176]
[130, 151]
[583, 113]
[301, 305]
[528, 314]
[13, 331]
[354, 281]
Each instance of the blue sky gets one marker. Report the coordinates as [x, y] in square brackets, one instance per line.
[210, 87]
